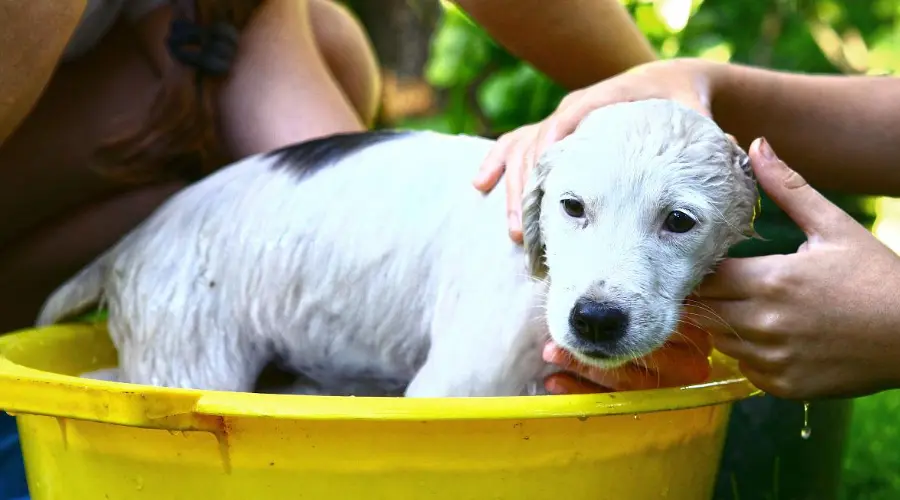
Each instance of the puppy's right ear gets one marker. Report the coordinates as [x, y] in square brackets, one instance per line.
[750, 193]
[531, 219]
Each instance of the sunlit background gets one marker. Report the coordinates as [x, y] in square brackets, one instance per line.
[442, 72]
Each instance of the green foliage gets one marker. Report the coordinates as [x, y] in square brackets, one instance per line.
[872, 460]
[489, 92]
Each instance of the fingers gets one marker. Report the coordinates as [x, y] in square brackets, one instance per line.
[493, 166]
[735, 347]
[566, 383]
[760, 379]
[567, 120]
[812, 212]
[691, 336]
[572, 111]
[548, 133]
[758, 323]
[515, 185]
[514, 154]
[738, 279]
[708, 320]
[667, 367]
[521, 159]
[675, 365]
[554, 354]
[570, 116]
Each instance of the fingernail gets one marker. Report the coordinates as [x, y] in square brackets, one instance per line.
[554, 387]
[552, 353]
[555, 358]
[792, 179]
[547, 353]
[766, 150]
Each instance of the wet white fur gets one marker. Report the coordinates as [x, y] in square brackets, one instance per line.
[388, 273]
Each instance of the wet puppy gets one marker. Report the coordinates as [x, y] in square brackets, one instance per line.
[368, 264]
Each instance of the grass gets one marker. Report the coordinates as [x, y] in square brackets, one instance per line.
[872, 456]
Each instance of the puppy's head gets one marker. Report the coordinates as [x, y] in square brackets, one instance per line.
[626, 216]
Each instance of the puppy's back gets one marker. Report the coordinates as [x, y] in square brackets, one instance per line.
[324, 224]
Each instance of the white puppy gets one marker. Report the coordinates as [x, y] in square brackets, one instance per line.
[368, 263]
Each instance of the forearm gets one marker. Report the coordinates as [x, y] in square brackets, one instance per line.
[575, 42]
[280, 90]
[839, 132]
[33, 35]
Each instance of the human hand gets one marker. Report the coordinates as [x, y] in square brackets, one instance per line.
[683, 360]
[683, 80]
[822, 322]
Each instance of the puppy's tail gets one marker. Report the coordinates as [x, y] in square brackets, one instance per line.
[77, 295]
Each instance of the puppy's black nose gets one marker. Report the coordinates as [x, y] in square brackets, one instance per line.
[597, 322]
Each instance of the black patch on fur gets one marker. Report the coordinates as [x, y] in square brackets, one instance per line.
[307, 158]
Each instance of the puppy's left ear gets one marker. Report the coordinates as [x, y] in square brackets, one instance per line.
[531, 219]
[750, 194]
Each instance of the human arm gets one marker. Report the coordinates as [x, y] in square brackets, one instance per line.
[281, 90]
[598, 37]
[838, 131]
[33, 36]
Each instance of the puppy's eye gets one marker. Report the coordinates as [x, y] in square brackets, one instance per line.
[573, 208]
[679, 222]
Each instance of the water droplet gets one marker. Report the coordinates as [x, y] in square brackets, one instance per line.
[139, 483]
[806, 431]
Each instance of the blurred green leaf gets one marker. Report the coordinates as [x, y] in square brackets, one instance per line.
[648, 20]
[516, 95]
[774, 33]
[460, 50]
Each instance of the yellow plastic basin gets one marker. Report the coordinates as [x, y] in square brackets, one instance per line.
[87, 439]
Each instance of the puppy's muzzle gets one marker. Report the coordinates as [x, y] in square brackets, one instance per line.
[598, 327]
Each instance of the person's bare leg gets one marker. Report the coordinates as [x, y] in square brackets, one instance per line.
[349, 54]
